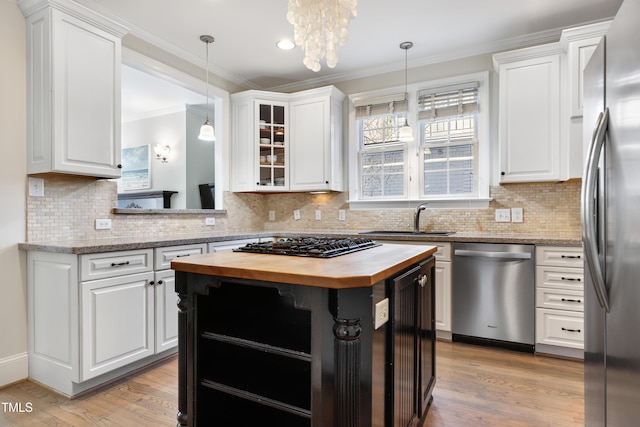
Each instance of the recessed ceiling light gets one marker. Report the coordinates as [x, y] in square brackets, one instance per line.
[285, 44]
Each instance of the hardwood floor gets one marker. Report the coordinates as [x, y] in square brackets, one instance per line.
[476, 386]
[480, 386]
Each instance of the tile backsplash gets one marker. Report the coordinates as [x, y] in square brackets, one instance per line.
[550, 210]
[71, 204]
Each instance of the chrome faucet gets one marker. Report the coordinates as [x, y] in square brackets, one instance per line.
[416, 217]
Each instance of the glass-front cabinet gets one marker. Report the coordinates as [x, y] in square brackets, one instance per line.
[287, 142]
[272, 145]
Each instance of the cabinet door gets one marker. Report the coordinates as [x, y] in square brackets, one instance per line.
[166, 310]
[74, 97]
[310, 145]
[427, 337]
[273, 157]
[117, 322]
[530, 120]
[443, 296]
[243, 150]
[405, 348]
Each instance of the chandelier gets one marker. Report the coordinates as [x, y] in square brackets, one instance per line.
[319, 27]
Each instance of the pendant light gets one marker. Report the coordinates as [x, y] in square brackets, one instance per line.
[206, 130]
[405, 133]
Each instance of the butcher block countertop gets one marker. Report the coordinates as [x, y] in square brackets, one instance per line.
[354, 270]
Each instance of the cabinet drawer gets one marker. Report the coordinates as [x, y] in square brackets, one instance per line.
[112, 264]
[444, 251]
[228, 245]
[559, 299]
[165, 255]
[560, 256]
[560, 278]
[560, 328]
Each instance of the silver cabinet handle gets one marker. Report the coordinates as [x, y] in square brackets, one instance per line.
[489, 254]
[587, 209]
[422, 280]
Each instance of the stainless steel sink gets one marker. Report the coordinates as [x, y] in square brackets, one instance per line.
[410, 233]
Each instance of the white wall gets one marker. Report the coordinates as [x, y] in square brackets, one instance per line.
[200, 159]
[13, 305]
[190, 162]
[168, 129]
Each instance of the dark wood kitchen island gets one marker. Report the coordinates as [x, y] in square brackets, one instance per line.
[292, 341]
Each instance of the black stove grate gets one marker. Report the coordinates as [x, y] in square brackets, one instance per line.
[317, 247]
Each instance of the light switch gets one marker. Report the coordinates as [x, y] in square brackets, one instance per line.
[517, 215]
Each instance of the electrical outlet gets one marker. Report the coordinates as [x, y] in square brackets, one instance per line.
[36, 187]
[381, 313]
[517, 215]
[503, 215]
[318, 215]
[272, 215]
[296, 214]
[209, 221]
[103, 224]
[342, 215]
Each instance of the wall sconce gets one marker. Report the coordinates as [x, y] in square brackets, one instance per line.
[162, 152]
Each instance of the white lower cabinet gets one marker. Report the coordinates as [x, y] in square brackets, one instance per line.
[94, 317]
[560, 300]
[560, 328]
[166, 314]
[117, 320]
[164, 290]
[443, 290]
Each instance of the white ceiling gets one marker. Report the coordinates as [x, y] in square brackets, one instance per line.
[144, 95]
[246, 31]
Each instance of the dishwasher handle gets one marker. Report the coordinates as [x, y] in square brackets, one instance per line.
[491, 254]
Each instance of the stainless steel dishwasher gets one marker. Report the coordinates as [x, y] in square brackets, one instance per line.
[494, 294]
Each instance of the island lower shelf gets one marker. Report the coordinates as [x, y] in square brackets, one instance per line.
[255, 352]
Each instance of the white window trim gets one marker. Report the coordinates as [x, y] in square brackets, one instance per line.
[413, 198]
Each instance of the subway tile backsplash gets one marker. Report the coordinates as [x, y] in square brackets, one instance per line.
[71, 204]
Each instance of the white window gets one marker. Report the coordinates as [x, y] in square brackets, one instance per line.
[447, 164]
[382, 157]
[448, 141]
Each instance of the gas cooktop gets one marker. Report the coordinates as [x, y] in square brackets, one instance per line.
[317, 247]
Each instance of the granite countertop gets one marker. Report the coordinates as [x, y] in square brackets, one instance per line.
[123, 244]
[352, 270]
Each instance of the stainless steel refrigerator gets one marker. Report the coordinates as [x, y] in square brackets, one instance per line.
[611, 225]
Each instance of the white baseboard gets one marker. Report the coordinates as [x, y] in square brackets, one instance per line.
[14, 368]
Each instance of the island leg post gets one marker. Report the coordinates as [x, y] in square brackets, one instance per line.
[347, 372]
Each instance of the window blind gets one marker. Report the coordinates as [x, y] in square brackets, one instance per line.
[448, 101]
[392, 104]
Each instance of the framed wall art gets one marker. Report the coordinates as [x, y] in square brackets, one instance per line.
[136, 168]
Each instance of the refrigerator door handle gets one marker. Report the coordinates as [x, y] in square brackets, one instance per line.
[589, 233]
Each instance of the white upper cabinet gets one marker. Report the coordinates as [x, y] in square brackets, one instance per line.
[73, 71]
[530, 103]
[315, 135]
[287, 142]
[540, 107]
[579, 44]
